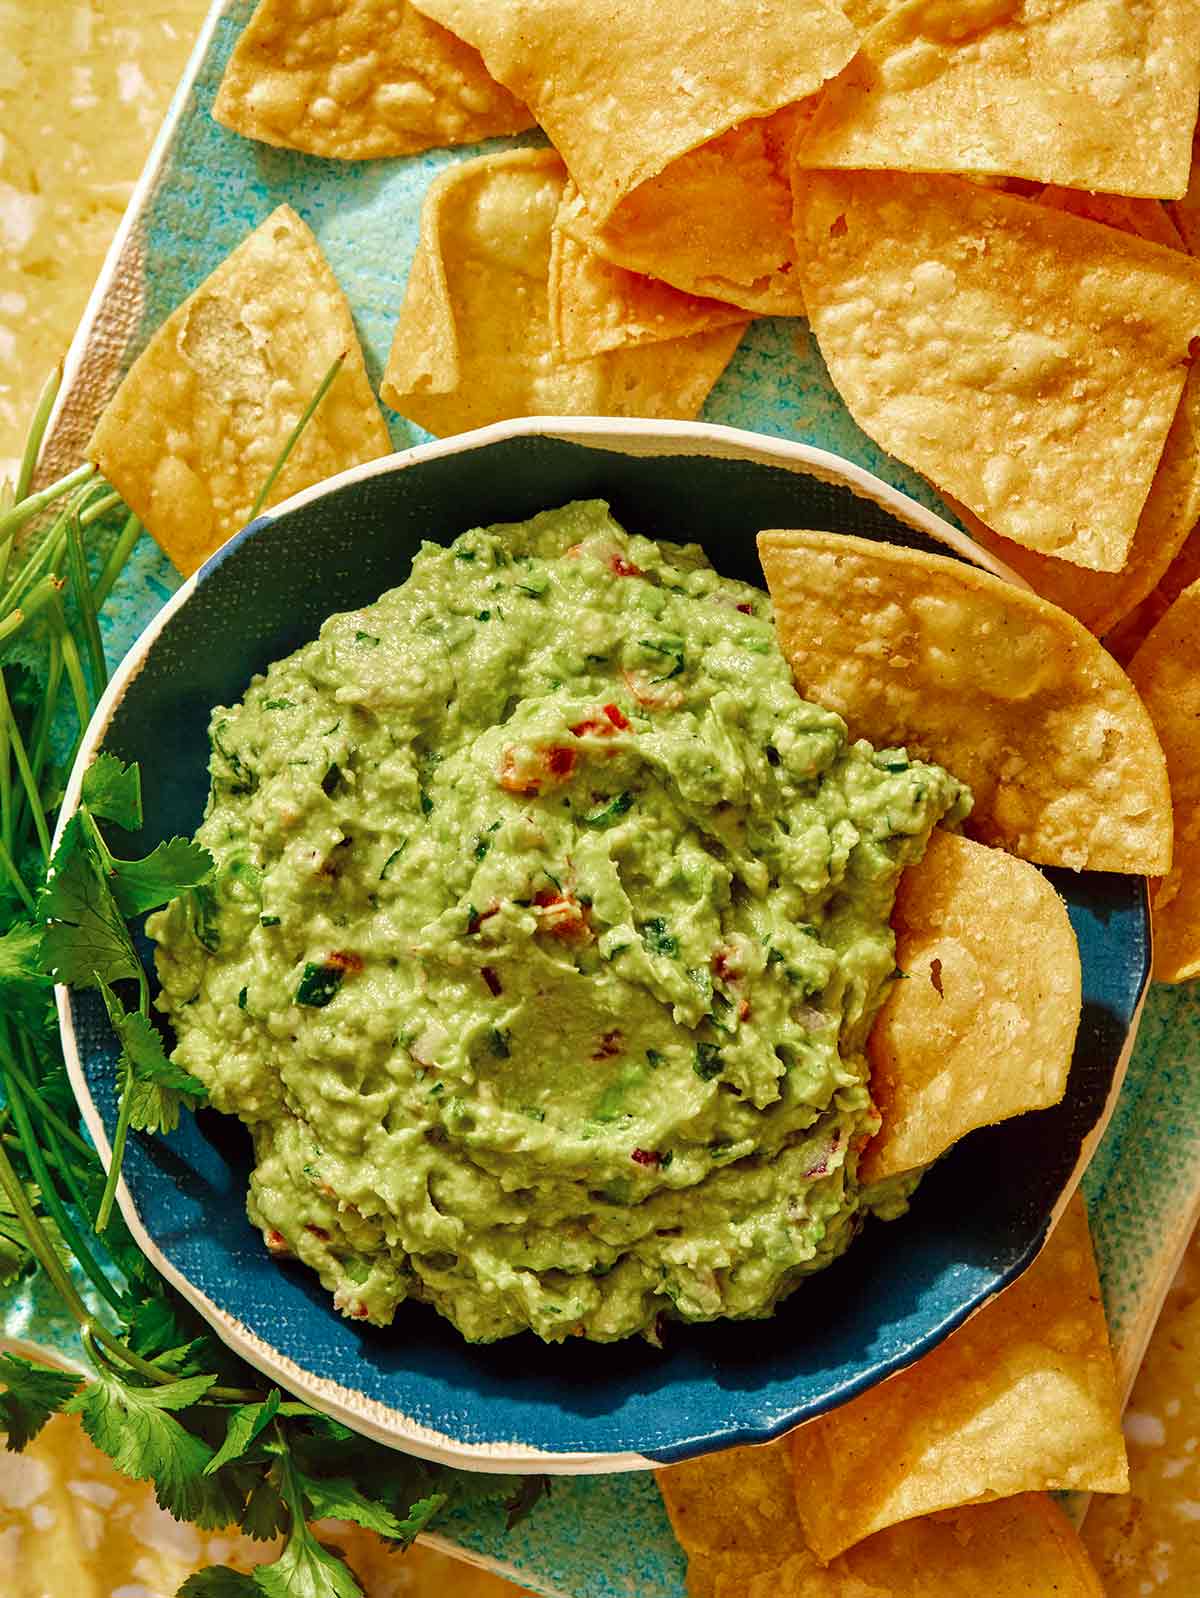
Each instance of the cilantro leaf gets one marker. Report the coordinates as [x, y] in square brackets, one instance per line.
[219, 1581]
[419, 1516]
[114, 790]
[306, 1570]
[24, 986]
[156, 1084]
[32, 1394]
[265, 1515]
[168, 869]
[131, 1426]
[245, 1423]
[84, 937]
[338, 1498]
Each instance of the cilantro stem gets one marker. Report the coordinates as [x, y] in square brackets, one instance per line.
[33, 439]
[117, 557]
[99, 507]
[85, 602]
[104, 1213]
[13, 519]
[290, 442]
[41, 1175]
[39, 1244]
[17, 745]
[9, 866]
[24, 1080]
[74, 666]
[46, 711]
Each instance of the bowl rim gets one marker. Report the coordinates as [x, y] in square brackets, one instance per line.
[369, 1417]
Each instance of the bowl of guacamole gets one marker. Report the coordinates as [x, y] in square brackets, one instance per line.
[531, 987]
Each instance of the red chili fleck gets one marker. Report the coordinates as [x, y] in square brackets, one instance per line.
[610, 1044]
[587, 725]
[646, 1156]
[744, 1010]
[509, 780]
[479, 917]
[545, 896]
[746, 610]
[317, 1231]
[345, 960]
[623, 567]
[559, 760]
[721, 966]
[492, 980]
[360, 1311]
[617, 716]
[277, 1243]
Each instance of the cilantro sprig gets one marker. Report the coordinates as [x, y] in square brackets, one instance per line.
[164, 1400]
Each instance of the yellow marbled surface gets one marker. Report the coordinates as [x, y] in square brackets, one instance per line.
[82, 90]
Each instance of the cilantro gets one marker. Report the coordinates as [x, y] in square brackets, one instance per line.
[607, 815]
[113, 791]
[156, 1084]
[464, 554]
[220, 1581]
[332, 780]
[482, 845]
[656, 937]
[666, 1159]
[85, 939]
[242, 992]
[498, 1043]
[483, 615]
[392, 858]
[653, 1059]
[366, 638]
[535, 584]
[672, 649]
[32, 1394]
[167, 871]
[318, 984]
[708, 1062]
[268, 921]
[278, 704]
[24, 986]
[244, 1425]
[244, 778]
[426, 802]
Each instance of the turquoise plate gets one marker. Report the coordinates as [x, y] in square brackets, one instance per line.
[979, 1217]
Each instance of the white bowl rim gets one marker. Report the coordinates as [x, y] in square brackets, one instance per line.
[381, 1422]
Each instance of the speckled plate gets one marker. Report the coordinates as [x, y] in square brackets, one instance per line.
[978, 1219]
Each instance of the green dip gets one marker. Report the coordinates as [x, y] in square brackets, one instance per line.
[546, 934]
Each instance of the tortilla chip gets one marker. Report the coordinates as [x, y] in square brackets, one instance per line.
[1147, 219]
[738, 1501]
[1006, 690]
[1157, 1529]
[1020, 1547]
[949, 312]
[982, 1025]
[1101, 599]
[1185, 212]
[1021, 1398]
[595, 306]
[473, 342]
[1128, 637]
[716, 223]
[1166, 672]
[1061, 91]
[359, 78]
[626, 88]
[200, 419]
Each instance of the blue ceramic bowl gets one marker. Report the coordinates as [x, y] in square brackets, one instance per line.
[979, 1217]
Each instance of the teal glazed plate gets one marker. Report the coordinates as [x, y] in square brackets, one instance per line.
[978, 1219]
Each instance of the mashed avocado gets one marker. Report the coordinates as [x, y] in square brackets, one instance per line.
[547, 929]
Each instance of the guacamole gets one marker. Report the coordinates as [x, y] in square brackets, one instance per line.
[547, 928]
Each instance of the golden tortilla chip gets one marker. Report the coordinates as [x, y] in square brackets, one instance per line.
[1061, 91]
[1125, 640]
[1101, 599]
[626, 88]
[1020, 1547]
[1028, 361]
[1156, 1530]
[359, 78]
[199, 420]
[717, 222]
[1148, 219]
[596, 306]
[1021, 1398]
[982, 1025]
[1166, 672]
[1006, 690]
[1185, 212]
[738, 1501]
[473, 342]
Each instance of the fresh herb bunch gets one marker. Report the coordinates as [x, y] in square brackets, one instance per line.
[165, 1400]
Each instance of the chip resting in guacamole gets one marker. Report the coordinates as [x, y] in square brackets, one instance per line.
[547, 930]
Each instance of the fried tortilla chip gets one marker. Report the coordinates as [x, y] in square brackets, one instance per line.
[1003, 688]
[624, 89]
[473, 342]
[1089, 95]
[199, 420]
[1148, 219]
[982, 1025]
[1128, 637]
[1021, 1398]
[1185, 212]
[1020, 1547]
[1166, 672]
[596, 306]
[717, 222]
[1102, 599]
[358, 78]
[737, 1501]
[950, 313]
